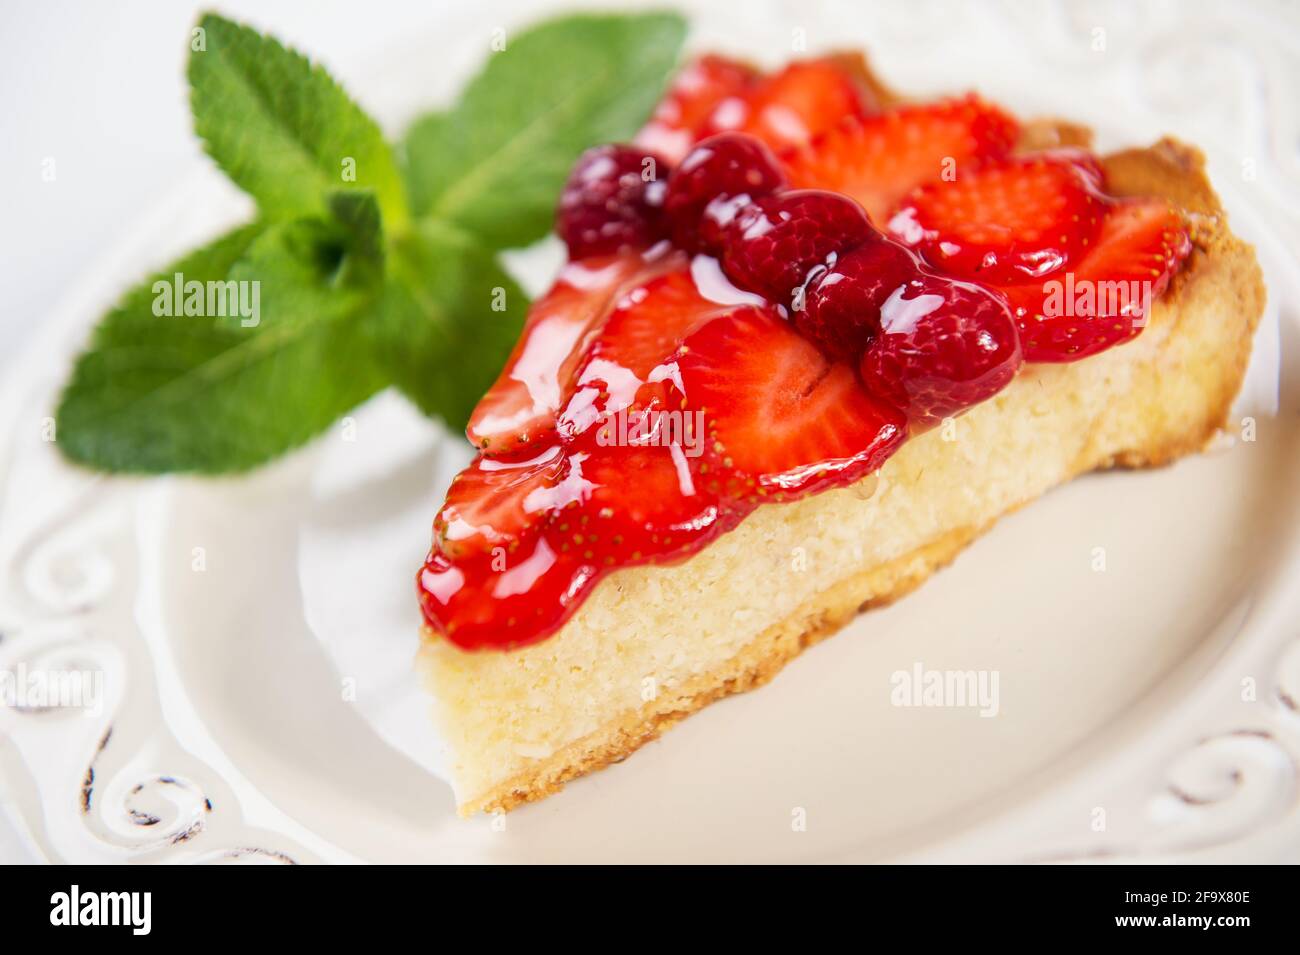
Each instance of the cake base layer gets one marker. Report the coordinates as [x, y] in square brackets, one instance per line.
[755, 665]
[651, 645]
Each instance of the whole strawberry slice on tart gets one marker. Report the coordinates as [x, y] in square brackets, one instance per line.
[643, 330]
[494, 503]
[799, 102]
[701, 88]
[518, 412]
[786, 108]
[775, 295]
[879, 159]
[1007, 222]
[782, 419]
[1104, 300]
[669, 510]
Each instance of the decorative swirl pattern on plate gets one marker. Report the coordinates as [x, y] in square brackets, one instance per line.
[69, 578]
[1223, 788]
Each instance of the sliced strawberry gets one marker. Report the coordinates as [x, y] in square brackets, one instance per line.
[1105, 298]
[1018, 218]
[640, 500]
[682, 116]
[792, 106]
[880, 159]
[518, 412]
[498, 502]
[643, 330]
[648, 322]
[782, 419]
[484, 603]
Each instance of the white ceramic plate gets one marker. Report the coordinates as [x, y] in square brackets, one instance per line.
[1144, 710]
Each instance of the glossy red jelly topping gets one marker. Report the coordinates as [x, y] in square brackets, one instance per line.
[815, 279]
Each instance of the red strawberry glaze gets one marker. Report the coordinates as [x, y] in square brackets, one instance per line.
[482, 604]
[518, 411]
[776, 345]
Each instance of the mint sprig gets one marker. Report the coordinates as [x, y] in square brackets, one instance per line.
[281, 127]
[366, 266]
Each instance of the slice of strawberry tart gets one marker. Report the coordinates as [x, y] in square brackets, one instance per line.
[778, 301]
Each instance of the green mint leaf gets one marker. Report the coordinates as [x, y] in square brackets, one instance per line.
[281, 128]
[448, 319]
[324, 264]
[199, 392]
[495, 163]
[358, 215]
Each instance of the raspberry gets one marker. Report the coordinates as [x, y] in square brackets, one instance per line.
[841, 304]
[943, 346]
[612, 200]
[773, 244]
[724, 167]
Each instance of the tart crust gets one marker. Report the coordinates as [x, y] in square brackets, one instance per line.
[1143, 404]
